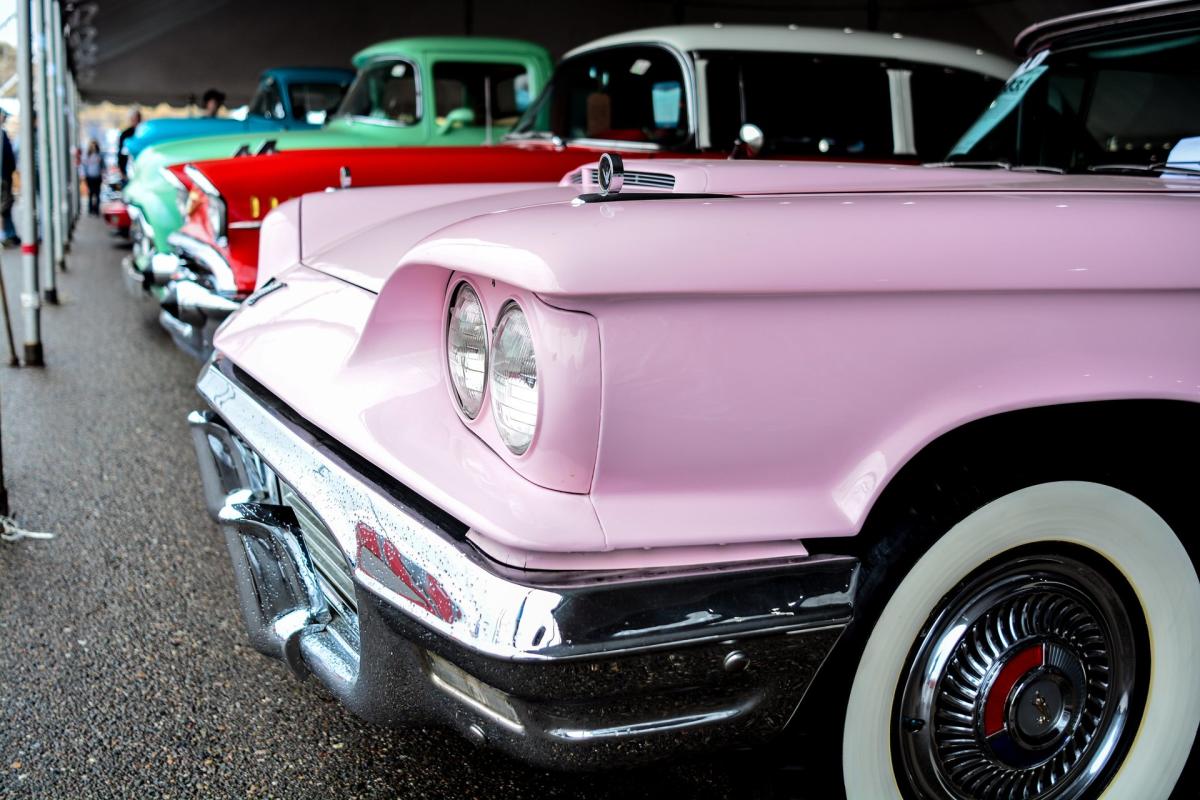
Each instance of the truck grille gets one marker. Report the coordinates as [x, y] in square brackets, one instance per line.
[323, 549]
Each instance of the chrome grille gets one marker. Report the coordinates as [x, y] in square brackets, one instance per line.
[324, 551]
[648, 180]
[651, 180]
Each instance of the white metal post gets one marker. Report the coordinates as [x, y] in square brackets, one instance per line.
[75, 145]
[30, 295]
[45, 172]
[62, 187]
[53, 137]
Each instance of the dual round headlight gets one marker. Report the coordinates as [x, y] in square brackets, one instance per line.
[512, 368]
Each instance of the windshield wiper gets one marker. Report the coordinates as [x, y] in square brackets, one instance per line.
[1144, 169]
[1004, 165]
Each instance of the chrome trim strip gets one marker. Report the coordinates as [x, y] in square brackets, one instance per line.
[639, 729]
[615, 144]
[206, 256]
[245, 225]
[448, 587]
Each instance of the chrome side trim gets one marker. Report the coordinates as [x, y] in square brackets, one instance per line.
[410, 563]
[638, 729]
[206, 256]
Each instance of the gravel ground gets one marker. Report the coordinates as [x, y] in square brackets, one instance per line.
[124, 671]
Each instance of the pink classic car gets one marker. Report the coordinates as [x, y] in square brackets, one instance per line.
[677, 455]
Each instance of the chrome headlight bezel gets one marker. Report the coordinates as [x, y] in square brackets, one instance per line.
[216, 211]
[517, 438]
[469, 410]
[217, 216]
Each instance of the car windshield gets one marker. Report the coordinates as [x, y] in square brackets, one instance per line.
[383, 90]
[1092, 109]
[312, 102]
[629, 94]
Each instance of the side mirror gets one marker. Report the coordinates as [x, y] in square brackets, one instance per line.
[750, 140]
[456, 118]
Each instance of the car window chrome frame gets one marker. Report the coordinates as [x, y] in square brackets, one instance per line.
[687, 66]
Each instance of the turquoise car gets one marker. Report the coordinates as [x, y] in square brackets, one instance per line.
[287, 98]
[444, 91]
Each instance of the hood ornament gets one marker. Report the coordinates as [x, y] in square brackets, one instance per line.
[610, 174]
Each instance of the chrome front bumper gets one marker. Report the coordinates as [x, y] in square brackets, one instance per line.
[191, 310]
[563, 669]
[191, 313]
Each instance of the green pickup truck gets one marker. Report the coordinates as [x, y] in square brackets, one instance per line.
[444, 91]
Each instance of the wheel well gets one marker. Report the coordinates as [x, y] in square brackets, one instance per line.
[1151, 447]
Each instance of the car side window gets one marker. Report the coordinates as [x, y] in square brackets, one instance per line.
[268, 102]
[385, 90]
[259, 103]
[496, 90]
[805, 104]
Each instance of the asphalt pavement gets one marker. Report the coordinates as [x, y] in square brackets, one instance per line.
[124, 669]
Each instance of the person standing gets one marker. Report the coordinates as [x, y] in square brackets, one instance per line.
[8, 166]
[93, 171]
[135, 119]
[212, 101]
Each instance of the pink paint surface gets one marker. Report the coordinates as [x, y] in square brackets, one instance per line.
[766, 363]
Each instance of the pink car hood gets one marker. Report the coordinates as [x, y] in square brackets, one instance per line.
[464, 225]
[908, 302]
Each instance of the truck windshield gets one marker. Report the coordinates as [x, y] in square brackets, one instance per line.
[1092, 108]
[631, 94]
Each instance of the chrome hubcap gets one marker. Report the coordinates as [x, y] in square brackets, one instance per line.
[1022, 687]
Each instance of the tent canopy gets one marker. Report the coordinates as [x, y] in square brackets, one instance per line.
[147, 51]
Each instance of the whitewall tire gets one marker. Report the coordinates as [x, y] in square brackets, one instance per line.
[1071, 516]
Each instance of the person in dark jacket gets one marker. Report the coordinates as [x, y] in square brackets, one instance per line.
[135, 119]
[8, 165]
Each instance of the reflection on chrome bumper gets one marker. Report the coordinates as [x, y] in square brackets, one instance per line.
[191, 313]
[207, 259]
[559, 668]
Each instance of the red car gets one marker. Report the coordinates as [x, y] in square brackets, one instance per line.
[779, 92]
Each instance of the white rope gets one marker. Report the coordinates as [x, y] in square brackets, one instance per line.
[10, 531]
